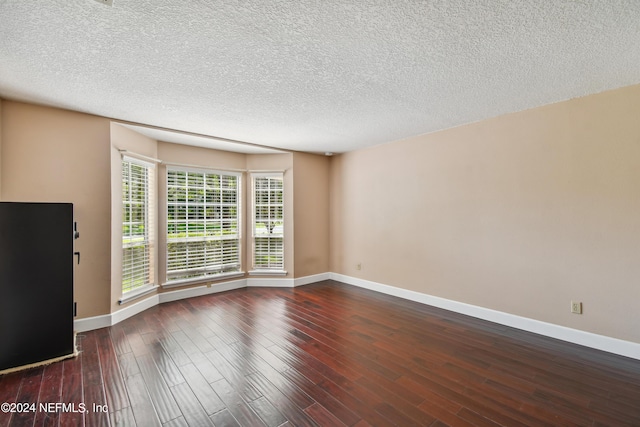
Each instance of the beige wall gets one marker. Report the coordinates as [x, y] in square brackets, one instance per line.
[56, 155]
[51, 155]
[521, 213]
[311, 210]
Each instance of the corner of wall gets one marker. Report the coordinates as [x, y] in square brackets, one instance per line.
[311, 214]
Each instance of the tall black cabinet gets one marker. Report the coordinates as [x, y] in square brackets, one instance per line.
[36, 282]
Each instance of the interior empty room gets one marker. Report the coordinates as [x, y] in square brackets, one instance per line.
[315, 214]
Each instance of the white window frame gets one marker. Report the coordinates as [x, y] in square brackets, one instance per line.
[132, 269]
[258, 228]
[228, 264]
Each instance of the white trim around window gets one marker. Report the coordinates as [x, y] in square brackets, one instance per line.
[138, 226]
[267, 195]
[203, 225]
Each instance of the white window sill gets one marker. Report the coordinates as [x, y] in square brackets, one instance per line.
[206, 279]
[267, 273]
[137, 293]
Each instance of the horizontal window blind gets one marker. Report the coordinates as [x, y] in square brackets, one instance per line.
[268, 221]
[203, 226]
[137, 224]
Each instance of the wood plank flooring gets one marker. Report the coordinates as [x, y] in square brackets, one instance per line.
[326, 354]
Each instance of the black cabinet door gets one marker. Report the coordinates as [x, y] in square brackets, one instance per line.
[36, 282]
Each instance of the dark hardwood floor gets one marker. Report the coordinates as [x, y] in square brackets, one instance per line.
[325, 354]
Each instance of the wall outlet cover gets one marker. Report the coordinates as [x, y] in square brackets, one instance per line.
[576, 307]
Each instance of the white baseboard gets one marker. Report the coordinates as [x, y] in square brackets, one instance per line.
[201, 290]
[106, 320]
[133, 309]
[307, 280]
[261, 282]
[91, 323]
[587, 339]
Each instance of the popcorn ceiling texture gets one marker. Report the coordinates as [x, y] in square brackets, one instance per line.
[314, 75]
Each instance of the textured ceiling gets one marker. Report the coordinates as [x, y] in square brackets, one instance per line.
[314, 75]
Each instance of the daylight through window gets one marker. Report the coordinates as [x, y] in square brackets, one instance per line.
[203, 227]
[268, 222]
[137, 224]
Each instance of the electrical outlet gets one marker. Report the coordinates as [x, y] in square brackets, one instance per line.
[358, 266]
[576, 307]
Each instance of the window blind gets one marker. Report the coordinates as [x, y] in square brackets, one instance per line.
[268, 221]
[137, 224]
[203, 226]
